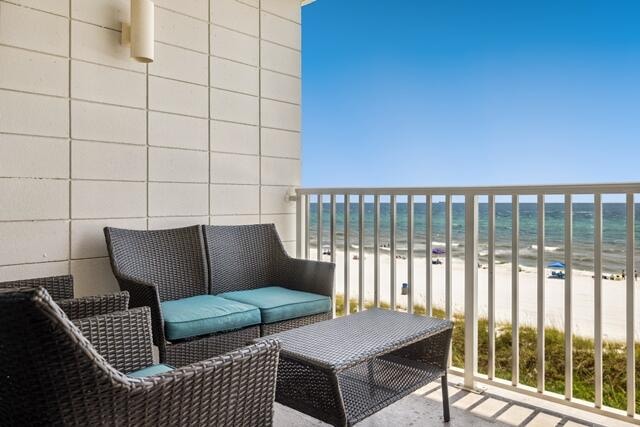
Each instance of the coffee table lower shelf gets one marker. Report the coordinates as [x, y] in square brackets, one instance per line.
[351, 395]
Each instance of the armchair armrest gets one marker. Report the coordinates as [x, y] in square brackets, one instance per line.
[309, 276]
[77, 308]
[123, 338]
[237, 388]
[59, 287]
[144, 294]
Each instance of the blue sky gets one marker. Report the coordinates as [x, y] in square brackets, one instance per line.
[468, 92]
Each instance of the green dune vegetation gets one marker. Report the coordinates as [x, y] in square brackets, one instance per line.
[613, 357]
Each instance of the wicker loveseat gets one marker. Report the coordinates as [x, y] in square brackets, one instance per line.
[56, 373]
[212, 289]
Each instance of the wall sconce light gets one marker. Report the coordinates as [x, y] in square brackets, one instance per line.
[140, 33]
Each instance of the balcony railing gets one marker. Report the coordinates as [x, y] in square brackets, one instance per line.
[495, 232]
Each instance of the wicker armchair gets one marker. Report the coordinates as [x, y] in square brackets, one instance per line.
[50, 374]
[155, 266]
[60, 288]
[243, 257]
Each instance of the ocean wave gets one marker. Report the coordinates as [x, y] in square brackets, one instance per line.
[453, 244]
[546, 248]
[496, 252]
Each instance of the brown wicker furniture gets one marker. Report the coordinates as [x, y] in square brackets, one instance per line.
[155, 266]
[344, 370]
[169, 269]
[50, 374]
[248, 257]
[60, 288]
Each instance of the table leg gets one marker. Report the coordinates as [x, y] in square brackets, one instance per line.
[445, 398]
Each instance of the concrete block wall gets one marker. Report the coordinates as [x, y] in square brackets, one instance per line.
[209, 133]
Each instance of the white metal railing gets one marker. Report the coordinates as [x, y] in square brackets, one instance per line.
[326, 202]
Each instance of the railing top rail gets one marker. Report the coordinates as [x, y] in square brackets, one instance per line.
[611, 188]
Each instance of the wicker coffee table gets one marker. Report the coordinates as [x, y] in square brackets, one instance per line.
[344, 370]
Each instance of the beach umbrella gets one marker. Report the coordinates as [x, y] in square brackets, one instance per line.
[438, 251]
[556, 264]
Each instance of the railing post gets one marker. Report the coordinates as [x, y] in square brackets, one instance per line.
[597, 296]
[333, 247]
[515, 290]
[347, 261]
[448, 297]
[470, 290]
[299, 224]
[307, 220]
[428, 220]
[410, 276]
[540, 316]
[319, 206]
[630, 314]
[491, 289]
[392, 253]
[376, 250]
[568, 296]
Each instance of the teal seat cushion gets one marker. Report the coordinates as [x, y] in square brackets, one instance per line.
[277, 303]
[205, 314]
[151, 371]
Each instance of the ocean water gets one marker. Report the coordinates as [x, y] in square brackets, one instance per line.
[614, 231]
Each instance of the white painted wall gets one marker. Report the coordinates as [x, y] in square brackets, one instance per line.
[207, 134]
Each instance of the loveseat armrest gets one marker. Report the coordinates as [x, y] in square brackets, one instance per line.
[123, 338]
[308, 275]
[145, 294]
[88, 306]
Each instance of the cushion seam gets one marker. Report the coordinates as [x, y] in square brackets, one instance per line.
[321, 298]
[292, 318]
[293, 303]
[216, 317]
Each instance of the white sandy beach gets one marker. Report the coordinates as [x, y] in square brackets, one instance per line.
[614, 293]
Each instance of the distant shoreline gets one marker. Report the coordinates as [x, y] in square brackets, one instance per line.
[524, 268]
[613, 293]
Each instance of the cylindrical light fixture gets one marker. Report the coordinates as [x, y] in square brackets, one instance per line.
[140, 33]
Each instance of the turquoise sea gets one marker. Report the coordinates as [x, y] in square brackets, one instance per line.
[614, 231]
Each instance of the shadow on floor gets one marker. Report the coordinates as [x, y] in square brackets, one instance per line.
[424, 408]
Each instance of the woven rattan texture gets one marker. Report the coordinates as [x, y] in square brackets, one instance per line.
[184, 353]
[148, 263]
[243, 257]
[77, 308]
[285, 325]
[159, 265]
[344, 370]
[252, 256]
[344, 341]
[59, 287]
[172, 260]
[123, 338]
[68, 383]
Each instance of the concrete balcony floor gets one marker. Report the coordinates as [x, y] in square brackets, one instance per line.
[494, 407]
